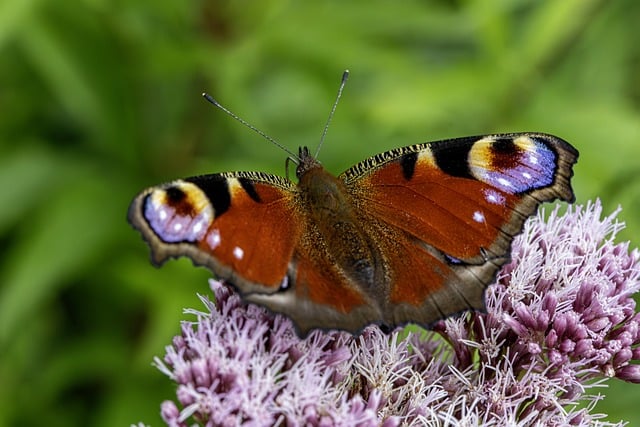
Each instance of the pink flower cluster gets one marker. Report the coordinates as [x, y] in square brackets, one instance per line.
[559, 321]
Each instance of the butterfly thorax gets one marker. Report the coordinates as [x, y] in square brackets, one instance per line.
[329, 207]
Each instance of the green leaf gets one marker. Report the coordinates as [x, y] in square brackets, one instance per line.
[62, 239]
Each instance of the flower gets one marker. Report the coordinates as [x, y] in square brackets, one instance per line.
[559, 321]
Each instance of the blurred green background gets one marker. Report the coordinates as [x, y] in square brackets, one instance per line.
[99, 99]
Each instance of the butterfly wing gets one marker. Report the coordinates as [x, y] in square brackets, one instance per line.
[446, 213]
[240, 225]
[251, 230]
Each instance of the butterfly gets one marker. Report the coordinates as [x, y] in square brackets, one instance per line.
[410, 235]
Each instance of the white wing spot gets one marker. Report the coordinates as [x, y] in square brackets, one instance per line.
[504, 182]
[198, 227]
[238, 252]
[162, 214]
[214, 239]
[493, 197]
[177, 226]
[533, 159]
[526, 175]
[478, 216]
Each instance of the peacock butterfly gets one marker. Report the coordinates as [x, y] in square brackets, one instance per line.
[411, 235]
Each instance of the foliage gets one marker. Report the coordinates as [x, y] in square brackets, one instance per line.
[100, 99]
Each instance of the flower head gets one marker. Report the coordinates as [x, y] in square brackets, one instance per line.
[558, 322]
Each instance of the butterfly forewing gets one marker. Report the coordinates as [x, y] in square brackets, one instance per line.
[244, 225]
[465, 196]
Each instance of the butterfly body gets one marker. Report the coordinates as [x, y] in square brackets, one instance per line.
[334, 225]
[411, 235]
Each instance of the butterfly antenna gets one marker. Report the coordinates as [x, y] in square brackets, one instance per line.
[292, 156]
[345, 76]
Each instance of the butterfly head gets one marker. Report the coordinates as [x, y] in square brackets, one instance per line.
[306, 162]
